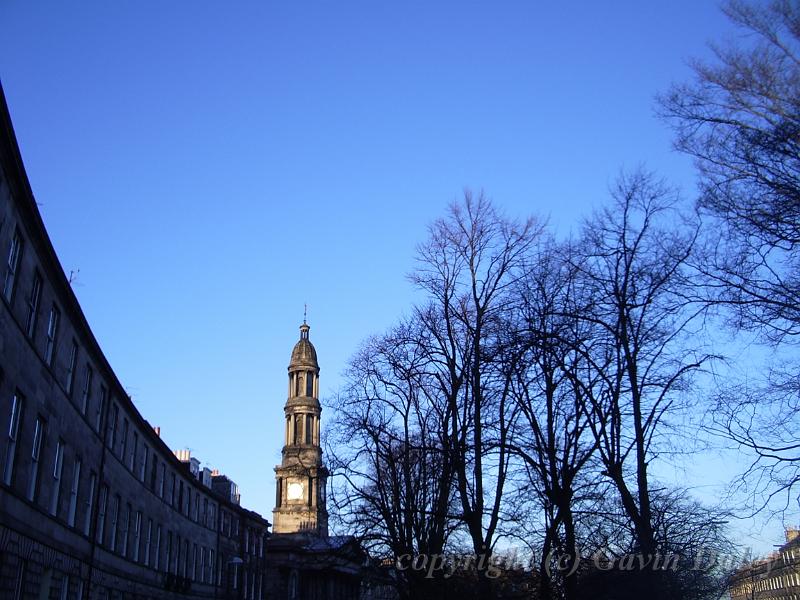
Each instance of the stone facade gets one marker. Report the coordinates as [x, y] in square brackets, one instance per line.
[93, 504]
[776, 577]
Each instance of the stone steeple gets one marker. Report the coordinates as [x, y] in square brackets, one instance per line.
[301, 476]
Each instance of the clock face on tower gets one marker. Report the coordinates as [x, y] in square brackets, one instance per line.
[295, 491]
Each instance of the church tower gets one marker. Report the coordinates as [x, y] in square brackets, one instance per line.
[301, 476]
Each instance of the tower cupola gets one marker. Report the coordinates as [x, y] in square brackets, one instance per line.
[304, 354]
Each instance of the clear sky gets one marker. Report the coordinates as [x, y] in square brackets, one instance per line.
[209, 167]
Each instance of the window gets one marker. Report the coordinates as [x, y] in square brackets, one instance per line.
[73, 493]
[309, 384]
[86, 395]
[194, 563]
[185, 563]
[203, 575]
[14, 254]
[112, 542]
[98, 417]
[137, 532]
[36, 452]
[180, 497]
[101, 514]
[33, 305]
[177, 559]
[112, 427]
[87, 519]
[157, 553]
[161, 477]
[124, 443]
[298, 427]
[19, 584]
[143, 463]
[134, 452]
[168, 555]
[173, 497]
[126, 524]
[73, 359]
[58, 464]
[13, 431]
[153, 473]
[64, 595]
[148, 539]
[52, 335]
[309, 428]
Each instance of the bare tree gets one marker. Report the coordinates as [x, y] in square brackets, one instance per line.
[468, 267]
[554, 439]
[396, 489]
[551, 368]
[694, 559]
[762, 416]
[633, 260]
[740, 119]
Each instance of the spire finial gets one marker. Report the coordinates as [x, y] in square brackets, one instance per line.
[305, 313]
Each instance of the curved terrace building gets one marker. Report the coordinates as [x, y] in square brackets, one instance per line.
[93, 504]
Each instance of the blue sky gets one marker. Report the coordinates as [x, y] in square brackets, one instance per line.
[210, 167]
